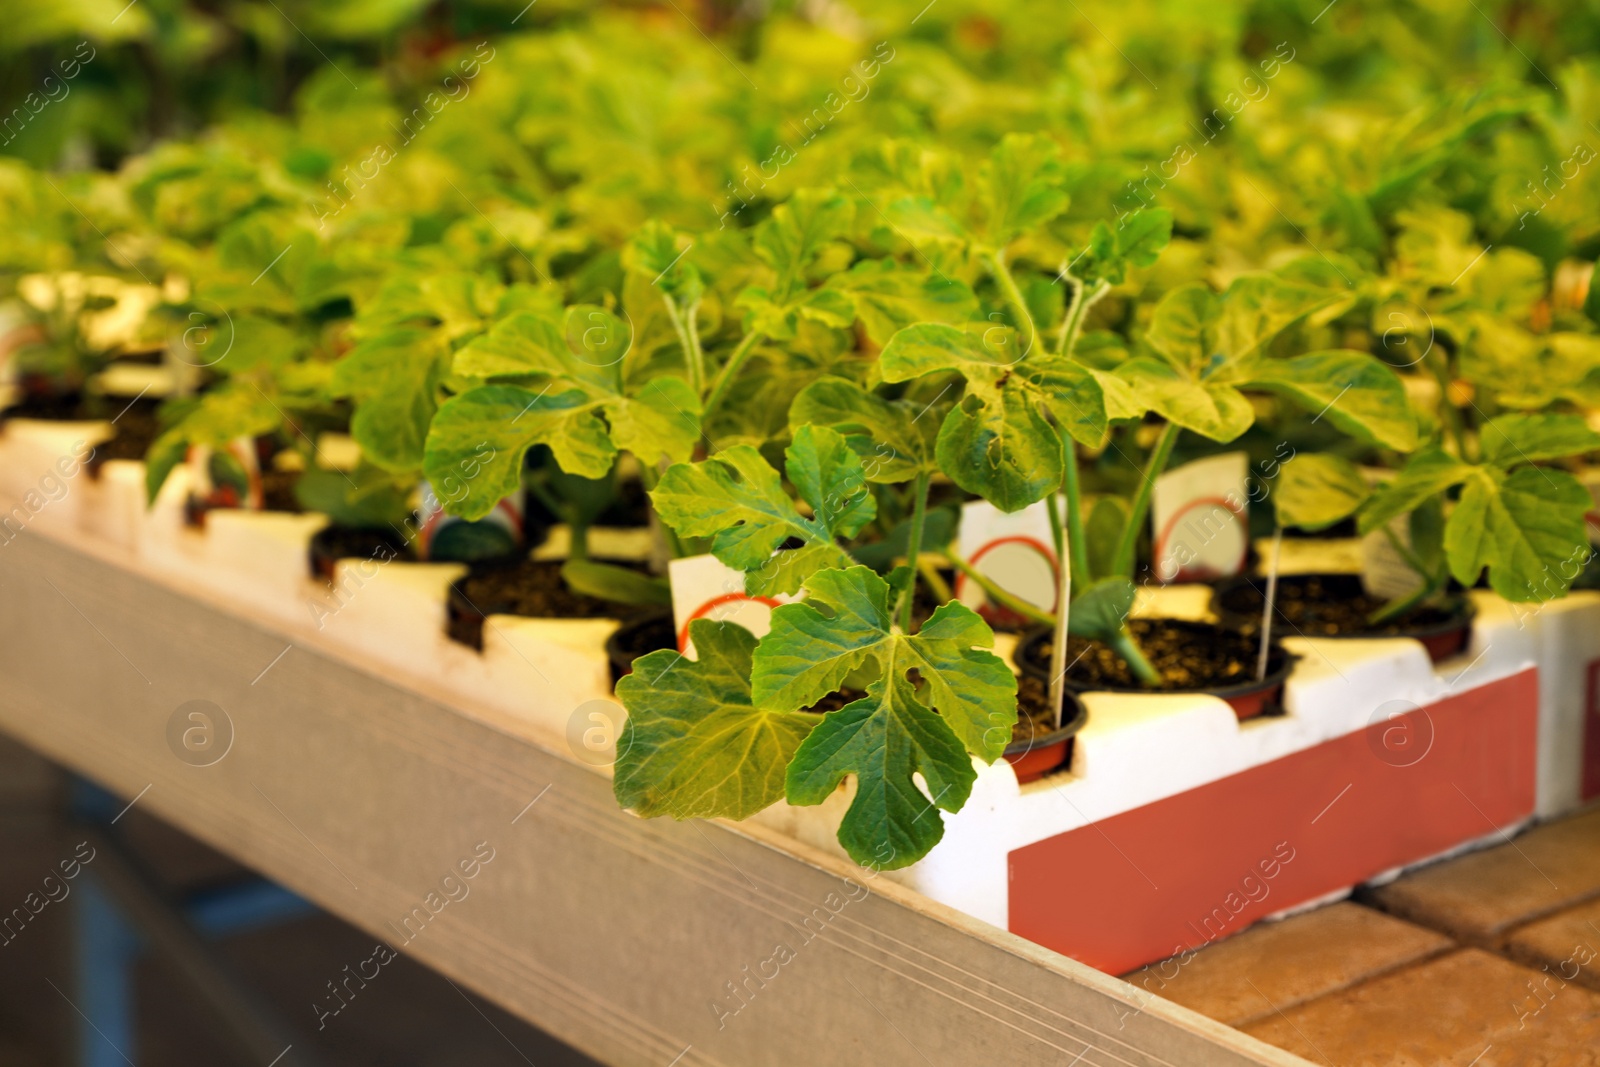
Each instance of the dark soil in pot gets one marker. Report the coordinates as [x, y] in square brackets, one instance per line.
[1336, 605]
[134, 431]
[49, 405]
[648, 633]
[332, 543]
[1191, 657]
[524, 587]
[1037, 747]
[277, 491]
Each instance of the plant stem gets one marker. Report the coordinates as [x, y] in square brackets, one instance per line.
[730, 370]
[1072, 322]
[687, 339]
[1123, 644]
[1077, 544]
[579, 547]
[1019, 306]
[1122, 562]
[1000, 596]
[1449, 414]
[919, 516]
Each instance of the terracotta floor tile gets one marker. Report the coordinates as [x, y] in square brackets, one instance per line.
[1466, 1008]
[1567, 943]
[1478, 897]
[1289, 962]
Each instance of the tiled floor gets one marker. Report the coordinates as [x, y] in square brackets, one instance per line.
[1488, 960]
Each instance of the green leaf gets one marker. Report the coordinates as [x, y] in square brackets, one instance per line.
[883, 740]
[366, 498]
[1101, 609]
[479, 439]
[654, 251]
[617, 584]
[1315, 491]
[1001, 448]
[1023, 182]
[583, 412]
[736, 499]
[830, 477]
[889, 297]
[1137, 242]
[1212, 409]
[394, 380]
[808, 655]
[694, 746]
[894, 438]
[1526, 527]
[799, 229]
[1427, 473]
[1181, 330]
[1512, 439]
[920, 219]
[1258, 307]
[216, 420]
[997, 442]
[1352, 390]
[523, 345]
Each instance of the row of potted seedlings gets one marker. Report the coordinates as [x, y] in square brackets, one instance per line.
[565, 454]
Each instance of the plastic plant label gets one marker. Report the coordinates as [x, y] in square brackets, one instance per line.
[1013, 550]
[224, 477]
[1384, 572]
[1200, 519]
[703, 587]
[444, 537]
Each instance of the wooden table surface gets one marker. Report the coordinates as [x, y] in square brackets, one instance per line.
[640, 942]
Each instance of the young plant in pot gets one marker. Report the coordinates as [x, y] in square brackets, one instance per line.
[1506, 513]
[1013, 438]
[565, 383]
[729, 732]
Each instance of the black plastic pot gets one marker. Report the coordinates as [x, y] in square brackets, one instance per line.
[1032, 758]
[1443, 630]
[332, 543]
[1248, 699]
[648, 633]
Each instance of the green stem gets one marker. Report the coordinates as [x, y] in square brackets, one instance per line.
[1395, 608]
[579, 548]
[1449, 414]
[1072, 322]
[1124, 645]
[1019, 306]
[730, 370]
[1058, 535]
[1122, 562]
[1000, 596]
[690, 342]
[914, 546]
